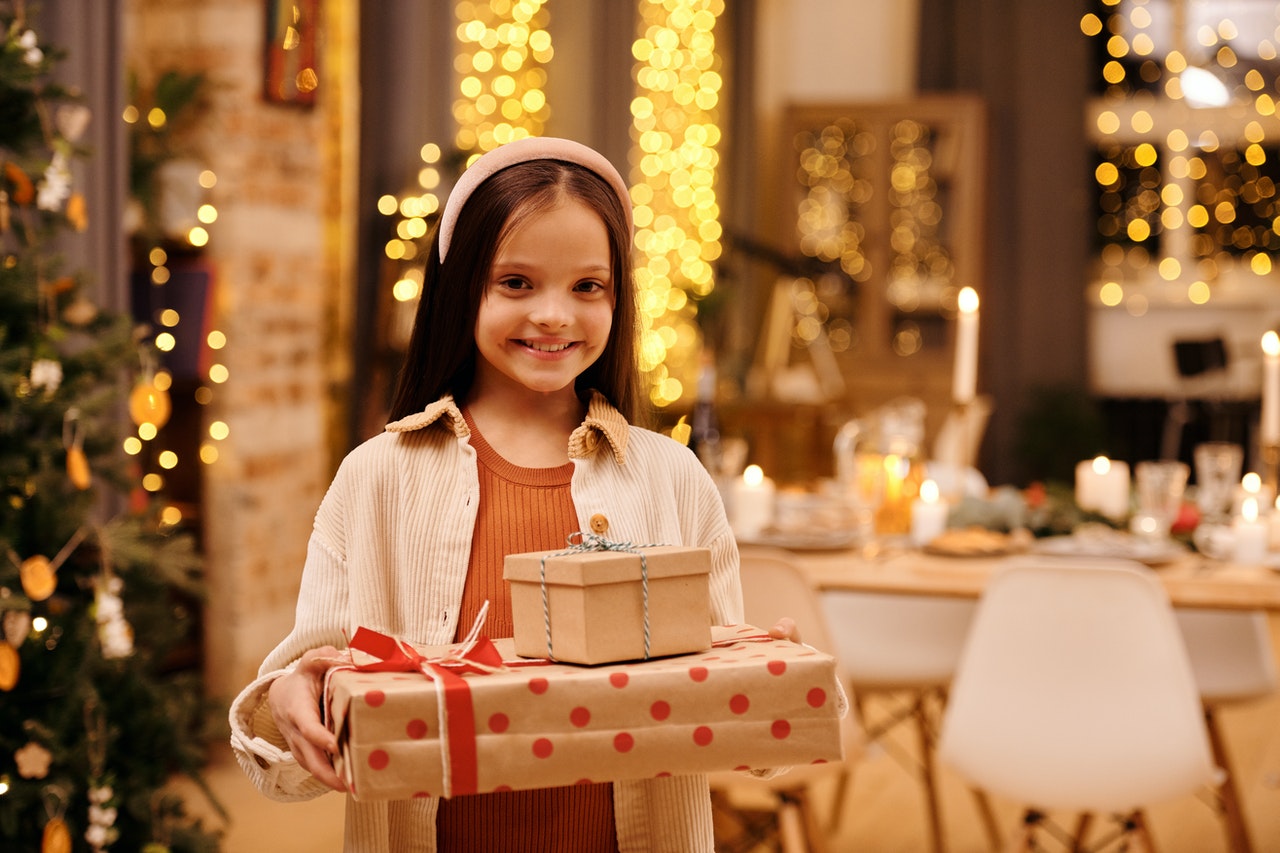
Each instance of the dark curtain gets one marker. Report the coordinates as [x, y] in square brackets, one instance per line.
[1032, 66]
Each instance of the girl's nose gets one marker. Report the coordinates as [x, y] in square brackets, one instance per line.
[552, 309]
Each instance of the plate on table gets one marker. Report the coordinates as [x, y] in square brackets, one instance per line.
[977, 542]
[1107, 543]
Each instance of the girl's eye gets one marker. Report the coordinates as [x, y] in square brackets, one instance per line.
[590, 286]
[512, 283]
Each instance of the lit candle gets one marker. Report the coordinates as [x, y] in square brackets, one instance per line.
[1251, 486]
[752, 504]
[1250, 535]
[964, 381]
[1102, 486]
[928, 515]
[1270, 389]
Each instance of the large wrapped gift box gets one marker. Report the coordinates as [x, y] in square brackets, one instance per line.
[748, 702]
[591, 606]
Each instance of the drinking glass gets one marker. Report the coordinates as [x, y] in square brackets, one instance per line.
[1218, 465]
[1161, 485]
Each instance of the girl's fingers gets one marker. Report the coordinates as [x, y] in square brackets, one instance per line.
[785, 629]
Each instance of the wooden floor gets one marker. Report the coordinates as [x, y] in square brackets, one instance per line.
[883, 809]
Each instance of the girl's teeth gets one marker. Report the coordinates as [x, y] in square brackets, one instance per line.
[548, 347]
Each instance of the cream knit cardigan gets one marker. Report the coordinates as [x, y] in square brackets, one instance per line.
[390, 549]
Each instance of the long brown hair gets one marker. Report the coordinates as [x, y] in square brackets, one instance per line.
[442, 351]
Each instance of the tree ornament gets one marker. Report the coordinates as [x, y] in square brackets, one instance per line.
[39, 579]
[24, 192]
[17, 627]
[81, 312]
[73, 441]
[10, 666]
[57, 838]
[77, 212]
[149, 404]
[46, 375]
[115, 634]
[78, 468]
[33, 761]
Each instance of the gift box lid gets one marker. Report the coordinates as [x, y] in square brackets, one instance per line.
[599, 567]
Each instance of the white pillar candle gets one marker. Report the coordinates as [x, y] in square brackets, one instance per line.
[1250, 535]
[1102, 486]
[964, 380]
[1270, 426]
[752, 504]
[1273, 527]
[928, 515]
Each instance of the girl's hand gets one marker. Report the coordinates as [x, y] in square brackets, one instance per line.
[785, 629]
[295, 704]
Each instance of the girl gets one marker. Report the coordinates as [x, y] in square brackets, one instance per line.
[510, 431]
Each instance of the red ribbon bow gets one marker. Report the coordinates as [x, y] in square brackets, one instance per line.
[456, 713]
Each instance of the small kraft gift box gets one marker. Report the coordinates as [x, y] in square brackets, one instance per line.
[475, 718]
[602, 601]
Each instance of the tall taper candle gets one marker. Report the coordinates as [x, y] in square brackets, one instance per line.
[964, 381]
[1270, 389]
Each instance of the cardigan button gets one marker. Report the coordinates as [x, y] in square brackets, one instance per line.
[599, 524]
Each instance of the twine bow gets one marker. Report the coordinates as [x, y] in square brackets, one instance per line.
[583, 541]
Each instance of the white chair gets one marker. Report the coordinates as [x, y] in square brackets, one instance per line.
[748, 809]
[904, 646]
[1075, 692]
[1232, 660]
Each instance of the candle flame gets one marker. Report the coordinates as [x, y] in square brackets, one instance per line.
[753, 476]
[1251, 483]
[681, 432]
[929, 491]
[1271, 344]
[967, 302]
[1101, 465]
[1249, 509]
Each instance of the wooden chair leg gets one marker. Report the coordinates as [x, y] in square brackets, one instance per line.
[1083, 824]
[791, 834]
[1142, 834]
[988, 817]
[1229, 804]
[932, 802]
[1024, 837]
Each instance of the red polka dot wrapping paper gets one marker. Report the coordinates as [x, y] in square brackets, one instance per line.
[748, 702]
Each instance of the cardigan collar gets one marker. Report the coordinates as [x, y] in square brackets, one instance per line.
[602, 421]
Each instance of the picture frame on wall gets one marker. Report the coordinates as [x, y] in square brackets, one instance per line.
[291, 64]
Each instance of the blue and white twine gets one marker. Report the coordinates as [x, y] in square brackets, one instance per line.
[582, 542]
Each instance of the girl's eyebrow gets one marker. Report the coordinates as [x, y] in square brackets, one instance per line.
[520, 265]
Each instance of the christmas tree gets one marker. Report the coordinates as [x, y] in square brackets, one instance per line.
[100, 705]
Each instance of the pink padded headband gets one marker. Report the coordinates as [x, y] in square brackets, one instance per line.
[522, 151]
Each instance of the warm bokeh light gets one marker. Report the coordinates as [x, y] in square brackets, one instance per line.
[502, 51]
[675, 128]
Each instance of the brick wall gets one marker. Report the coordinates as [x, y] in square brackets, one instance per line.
[280, 287]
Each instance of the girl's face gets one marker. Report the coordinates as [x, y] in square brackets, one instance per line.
[548, 303]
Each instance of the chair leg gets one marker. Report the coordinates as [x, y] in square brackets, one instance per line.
[927, 774]
[811, 834]
[1023, 839]
[1232, 810]
[1137, 824]
[1083, 823]
[791, 830]
[988, 817]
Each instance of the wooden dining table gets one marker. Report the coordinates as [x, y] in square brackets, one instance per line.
[1190, 581]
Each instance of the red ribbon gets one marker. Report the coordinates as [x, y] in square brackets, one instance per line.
[456, 712]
